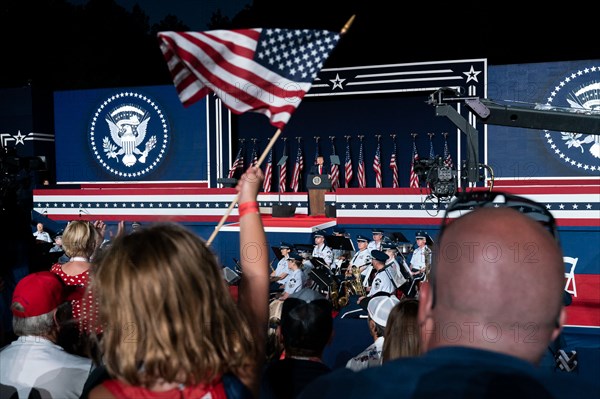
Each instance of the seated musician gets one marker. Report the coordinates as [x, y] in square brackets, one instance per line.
[384, 276]
[295, 280]
[321, 250]
[279, 276]
[361, 259]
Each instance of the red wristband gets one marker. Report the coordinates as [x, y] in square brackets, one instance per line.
[248, 207]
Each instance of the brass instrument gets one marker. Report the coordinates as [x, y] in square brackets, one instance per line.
[357, 286]
[353, 286]
[334, 296]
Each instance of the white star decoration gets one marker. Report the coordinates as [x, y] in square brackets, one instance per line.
[337, 82]
[472, 75]
[19, 138]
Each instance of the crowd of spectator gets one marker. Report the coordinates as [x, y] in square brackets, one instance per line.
[148, 313]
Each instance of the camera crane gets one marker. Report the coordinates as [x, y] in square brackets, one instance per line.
[506, 113]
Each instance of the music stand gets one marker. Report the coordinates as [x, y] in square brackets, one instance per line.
[399, 237]
[318, 262]
[339, 242]
[304, 248]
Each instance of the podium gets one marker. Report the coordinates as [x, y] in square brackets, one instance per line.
[317, 186]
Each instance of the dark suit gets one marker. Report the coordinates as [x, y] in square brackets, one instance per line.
[314, 170]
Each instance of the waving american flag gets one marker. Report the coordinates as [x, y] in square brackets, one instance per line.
[297, 169]
[260, 70]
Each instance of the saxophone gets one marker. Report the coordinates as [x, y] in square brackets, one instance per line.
[357, 286]
[353, 286]
[335, 294]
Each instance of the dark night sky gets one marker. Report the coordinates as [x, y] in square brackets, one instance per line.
[50, 45]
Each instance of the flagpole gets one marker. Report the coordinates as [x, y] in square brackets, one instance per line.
[261, 159]
[237, 196]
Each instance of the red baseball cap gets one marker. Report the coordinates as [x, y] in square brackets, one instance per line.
[39, 293]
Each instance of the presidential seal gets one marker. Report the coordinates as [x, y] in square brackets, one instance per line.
[129, 135]
[316, 180]
[578, 91]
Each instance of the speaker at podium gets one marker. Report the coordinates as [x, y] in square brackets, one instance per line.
[317, 186]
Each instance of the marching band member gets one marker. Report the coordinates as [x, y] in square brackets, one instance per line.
[321, 250]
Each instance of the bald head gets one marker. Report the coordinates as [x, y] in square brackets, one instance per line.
[499, 278]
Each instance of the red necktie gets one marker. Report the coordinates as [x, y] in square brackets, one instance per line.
[320, 172]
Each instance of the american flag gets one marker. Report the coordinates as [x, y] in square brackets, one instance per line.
[335, 170]
[362, 181]
[447, 157]
[297, 170]
[268, 173]
[283, 170]
[348, 173]
[238, 163]
[377, 166]
[260, 70]
[414, 179]
[394, 168]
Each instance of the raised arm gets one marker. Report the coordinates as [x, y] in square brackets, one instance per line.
[253, 296]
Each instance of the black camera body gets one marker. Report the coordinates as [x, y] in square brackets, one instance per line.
[440, 179]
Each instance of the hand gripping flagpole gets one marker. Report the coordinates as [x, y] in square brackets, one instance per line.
[260, 160]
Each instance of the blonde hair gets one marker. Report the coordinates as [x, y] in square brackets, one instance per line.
[167, 311]
[402, 331]
[80, 238]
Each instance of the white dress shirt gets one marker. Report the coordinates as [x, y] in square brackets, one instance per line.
[35, 362]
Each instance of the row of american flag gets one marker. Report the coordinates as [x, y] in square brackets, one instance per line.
[238, 166]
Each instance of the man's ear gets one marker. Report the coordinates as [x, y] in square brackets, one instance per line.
[372, 326]
[562, 318]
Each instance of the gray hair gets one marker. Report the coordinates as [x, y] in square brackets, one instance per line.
[42, 325]
[37, 325]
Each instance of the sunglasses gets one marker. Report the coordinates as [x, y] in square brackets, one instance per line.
[468, 201]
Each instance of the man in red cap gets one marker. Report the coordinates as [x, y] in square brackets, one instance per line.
[34, 364]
